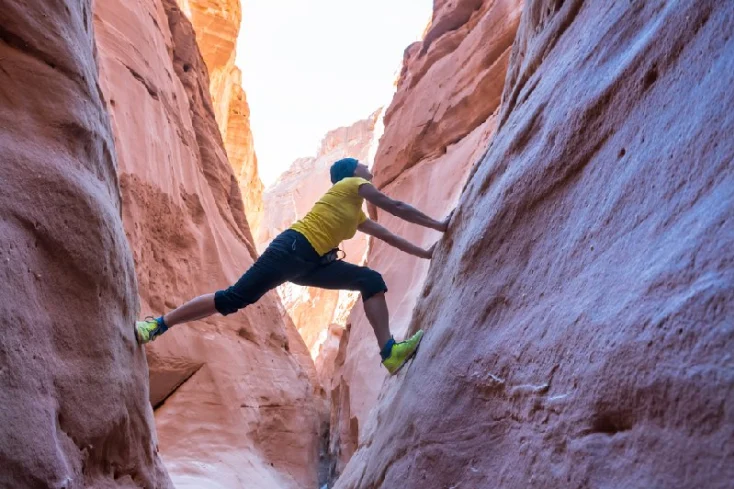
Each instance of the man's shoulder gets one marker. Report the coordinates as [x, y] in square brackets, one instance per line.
[352, 182]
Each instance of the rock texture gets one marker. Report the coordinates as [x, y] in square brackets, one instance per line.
[436, 128]
[233, 396]
[451, 82]
[217, 25]
[290, 198]
[579, 312]
[240, 146]
[73, 382]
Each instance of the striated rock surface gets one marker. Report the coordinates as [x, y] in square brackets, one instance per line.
[579, 312]
[217, 25]
[290, 198]
[424, 158]
[240, 147]
[233, 396]
[451, 83]
[73, 382]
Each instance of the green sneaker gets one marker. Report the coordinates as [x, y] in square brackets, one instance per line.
[148, 330]
[402, 352]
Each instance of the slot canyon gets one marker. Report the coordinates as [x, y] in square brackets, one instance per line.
[578, 312]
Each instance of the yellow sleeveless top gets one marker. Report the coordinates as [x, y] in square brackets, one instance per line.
[334, 217]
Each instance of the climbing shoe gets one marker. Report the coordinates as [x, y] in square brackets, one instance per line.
[401, 353]
[150, 329]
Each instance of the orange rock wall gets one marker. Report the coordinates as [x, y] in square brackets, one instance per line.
[578, 312]
[73, 381]
[450, 83]
[436, 128]
[240, 146]
[233, 396]
[217, 25]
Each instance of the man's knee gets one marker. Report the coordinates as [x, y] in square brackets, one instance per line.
[371, 284]
[228, 301]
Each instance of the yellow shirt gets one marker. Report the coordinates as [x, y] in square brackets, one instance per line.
[334, 217]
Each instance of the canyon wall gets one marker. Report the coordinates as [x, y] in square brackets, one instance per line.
[579, 310]
[217, 26]
[73, 381]
[233, 396]
[290, 198]
[436, 129]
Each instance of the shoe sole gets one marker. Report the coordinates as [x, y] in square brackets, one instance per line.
[409, 357]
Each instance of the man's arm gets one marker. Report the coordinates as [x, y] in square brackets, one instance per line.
[373, 229]
[399, 209]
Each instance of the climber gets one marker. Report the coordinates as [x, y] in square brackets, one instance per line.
[307, 254]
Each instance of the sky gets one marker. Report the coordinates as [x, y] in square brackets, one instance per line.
[309, 66]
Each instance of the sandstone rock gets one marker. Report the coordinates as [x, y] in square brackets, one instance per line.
[217, 25]
[234, 403]
[289, 199]
[240, 147]
[578, 313]
[343, 426]
[437, 70]
[450, 84]
[73, 382]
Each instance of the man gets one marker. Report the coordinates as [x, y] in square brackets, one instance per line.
[306, 254]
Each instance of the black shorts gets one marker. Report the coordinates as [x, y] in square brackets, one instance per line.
[291, 258]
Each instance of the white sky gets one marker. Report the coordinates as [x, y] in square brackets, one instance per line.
[309, 66]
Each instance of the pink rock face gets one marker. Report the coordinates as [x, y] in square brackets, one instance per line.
[73, 382]
[578, 312]
[450, 84]
[217, 25]
[432, 183]
[326, 360]
[289, 199]
[240, 148]
[233, 396]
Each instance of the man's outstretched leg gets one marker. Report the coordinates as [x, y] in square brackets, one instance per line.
[198, 308]
[283, 258]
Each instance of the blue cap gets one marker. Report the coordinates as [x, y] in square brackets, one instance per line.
[343, 168]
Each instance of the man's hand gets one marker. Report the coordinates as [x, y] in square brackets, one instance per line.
[400, 209]
[428, 254]
[445, 223]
